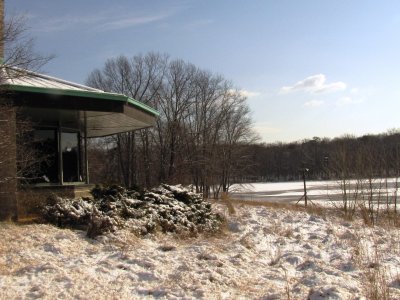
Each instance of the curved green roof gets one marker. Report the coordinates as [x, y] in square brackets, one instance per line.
[82, 93]
[31, 82]
[104, 113]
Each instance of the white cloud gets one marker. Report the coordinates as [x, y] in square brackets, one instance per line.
[265, 128]
[244, 93]
[313, 103]
[343, 101]
[67, 22]
[131, 21]
[314, 84]
[249, 94]
[101, 20]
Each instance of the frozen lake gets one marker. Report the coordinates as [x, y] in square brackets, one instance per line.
[316, 190]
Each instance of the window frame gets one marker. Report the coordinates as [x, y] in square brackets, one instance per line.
[59, 157]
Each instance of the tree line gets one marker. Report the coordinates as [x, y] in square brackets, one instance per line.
[368, 156]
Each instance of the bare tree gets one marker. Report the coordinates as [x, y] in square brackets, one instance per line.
[198, 138]
[18, 47]
[236, 132]
[174, 99]
[140, 78]
[202, 127]
[17, 51]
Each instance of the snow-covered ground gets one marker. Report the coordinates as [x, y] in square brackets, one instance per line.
[321, 192]
[264, 253]
[258, 187]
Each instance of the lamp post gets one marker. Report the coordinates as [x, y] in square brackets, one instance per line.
[305, 171]
[326, 167]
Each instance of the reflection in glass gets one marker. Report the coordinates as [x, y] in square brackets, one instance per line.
[49, 147]
[45, 141]
[70, 156]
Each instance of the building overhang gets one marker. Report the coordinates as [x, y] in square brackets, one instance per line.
[47, 99]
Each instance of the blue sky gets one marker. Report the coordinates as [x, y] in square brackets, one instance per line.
[309, 68]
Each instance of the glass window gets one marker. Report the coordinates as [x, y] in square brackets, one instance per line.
[70, 156]
[48, 152]
[45, 142]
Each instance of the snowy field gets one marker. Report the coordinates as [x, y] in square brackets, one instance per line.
[264, 253]
[318, 191]
[285, 191]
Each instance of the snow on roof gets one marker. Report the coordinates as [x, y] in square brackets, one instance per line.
[19, 77]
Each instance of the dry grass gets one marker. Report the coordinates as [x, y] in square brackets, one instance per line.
[126, 242]
[288, 293]
[259, 203]
[375, 277]
[8, 231]
[386, 219]
[366, 215]
[287, 232]
[4, 249]
[276, 227]
[314, 209]
[247, 242]
[225, 199]
[275, 257]
[376, 283]
[358, 254]
[253, 289]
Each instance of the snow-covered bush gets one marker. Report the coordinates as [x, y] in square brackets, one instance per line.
[166, 208]
[68, 212]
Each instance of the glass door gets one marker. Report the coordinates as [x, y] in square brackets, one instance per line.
[70, 156]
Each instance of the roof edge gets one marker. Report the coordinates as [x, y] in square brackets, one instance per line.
[24, 73]
[81, 93]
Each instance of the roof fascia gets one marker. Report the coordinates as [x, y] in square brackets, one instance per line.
[84, 94]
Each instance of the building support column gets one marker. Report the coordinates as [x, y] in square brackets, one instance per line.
[86, 151]
[60, 158]
[8, 163]
[2, 31]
